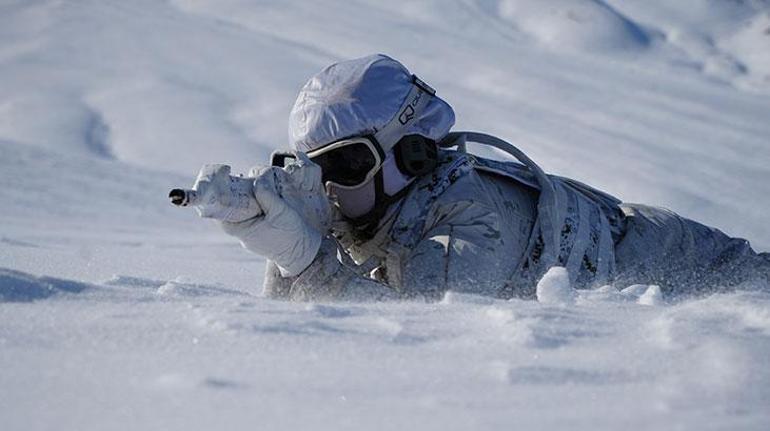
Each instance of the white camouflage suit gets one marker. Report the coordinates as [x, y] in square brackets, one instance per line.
[481, 226]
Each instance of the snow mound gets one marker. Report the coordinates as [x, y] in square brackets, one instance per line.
[554, 288]
[583, 25]
[178, 287]
[750, 44]
[652, 296]
[182, 288]
[726, 40]
[172, 97]
[17, 286]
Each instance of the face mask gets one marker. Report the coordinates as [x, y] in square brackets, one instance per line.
[359, 201]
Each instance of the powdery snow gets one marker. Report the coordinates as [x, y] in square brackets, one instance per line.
[119, 311]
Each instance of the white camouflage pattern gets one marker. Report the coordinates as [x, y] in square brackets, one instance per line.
[475, 226]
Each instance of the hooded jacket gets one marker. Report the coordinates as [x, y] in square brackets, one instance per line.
[472, 232]
[480, 226]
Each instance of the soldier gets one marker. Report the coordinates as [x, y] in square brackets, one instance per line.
[413, 215]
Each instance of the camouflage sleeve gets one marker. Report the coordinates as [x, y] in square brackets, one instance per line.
[326, 279]
[275, 286]
[462, 254]
[473, 239]
[477, 233]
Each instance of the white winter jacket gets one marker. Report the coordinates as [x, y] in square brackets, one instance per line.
[477, 226]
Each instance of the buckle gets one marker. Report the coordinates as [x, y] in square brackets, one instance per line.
[423, 86]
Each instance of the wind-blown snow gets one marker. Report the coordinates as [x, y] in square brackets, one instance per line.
[118, 311]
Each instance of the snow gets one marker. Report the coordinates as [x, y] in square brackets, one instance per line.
[119, 311]
[651, 296]
[554, 288]
[562, 24]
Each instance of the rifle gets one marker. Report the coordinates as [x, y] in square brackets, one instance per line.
[219, 195]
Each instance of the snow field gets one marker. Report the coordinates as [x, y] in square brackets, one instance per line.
[119, 311]
[172, 354]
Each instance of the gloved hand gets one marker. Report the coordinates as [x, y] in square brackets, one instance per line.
[219, 195]
[296, 215]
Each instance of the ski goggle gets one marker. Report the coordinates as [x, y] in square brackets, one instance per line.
[348, 163]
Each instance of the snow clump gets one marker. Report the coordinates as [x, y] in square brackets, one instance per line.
[554, 288]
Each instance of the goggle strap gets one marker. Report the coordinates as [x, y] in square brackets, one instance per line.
[414, 103]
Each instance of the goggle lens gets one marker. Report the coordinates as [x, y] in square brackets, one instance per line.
[348, 165]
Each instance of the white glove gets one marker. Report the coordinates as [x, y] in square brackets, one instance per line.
[296, 215]
[218, 195]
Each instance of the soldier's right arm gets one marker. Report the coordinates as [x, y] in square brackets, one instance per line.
[326, 279]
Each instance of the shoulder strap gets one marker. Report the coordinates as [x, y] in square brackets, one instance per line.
[549, 217]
